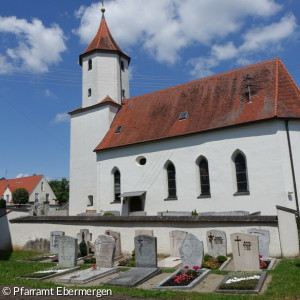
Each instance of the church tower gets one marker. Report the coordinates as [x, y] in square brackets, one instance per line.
[104, 69]
[105, 84]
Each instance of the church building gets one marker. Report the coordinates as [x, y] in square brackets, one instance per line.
[227, 142]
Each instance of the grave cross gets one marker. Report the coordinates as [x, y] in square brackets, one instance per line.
[210, 239]
[238, 241]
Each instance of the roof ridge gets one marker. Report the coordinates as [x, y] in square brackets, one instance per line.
[205, 78]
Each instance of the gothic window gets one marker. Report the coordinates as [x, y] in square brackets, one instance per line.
[204, 177]
[241, 173]
[89, 92]
[90, 64]
[171, 175]
[117, 186]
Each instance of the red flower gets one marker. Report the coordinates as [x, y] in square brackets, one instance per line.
[186, 267]
[196, 268]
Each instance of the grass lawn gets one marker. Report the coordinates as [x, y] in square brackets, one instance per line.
[285, 282]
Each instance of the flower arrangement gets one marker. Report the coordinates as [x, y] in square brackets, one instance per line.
[93, 267]
[263, 264]
[185, 277]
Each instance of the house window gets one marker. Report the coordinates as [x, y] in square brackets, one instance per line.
[7, 198]
[36, 197]
[241, 173]
[183, 115]
[89, 92]
[204, 177]
[90, 63]
[47, 197]
[117, 186]
[122, 65]
[123, 94]
[42, 186]
[171, 174]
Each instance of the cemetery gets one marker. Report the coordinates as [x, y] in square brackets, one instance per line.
[163, 254]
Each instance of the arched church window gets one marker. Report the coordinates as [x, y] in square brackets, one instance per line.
[241, 173]
[171, 174]
[117, 186]
[204, 177]
[90, 63]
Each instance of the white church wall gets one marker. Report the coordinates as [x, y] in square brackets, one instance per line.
[87, 130]
[269, 173]
[103, 79]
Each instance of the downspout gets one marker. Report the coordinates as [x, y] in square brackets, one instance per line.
[292, 164]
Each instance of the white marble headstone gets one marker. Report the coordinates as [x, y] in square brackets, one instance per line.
[176, 238]
[105, 247]
[263, 241]
[245, 252]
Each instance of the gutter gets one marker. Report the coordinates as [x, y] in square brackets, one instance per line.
[292, 164]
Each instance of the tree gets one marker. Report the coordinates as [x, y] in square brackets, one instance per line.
[20, 196]
[60, 189]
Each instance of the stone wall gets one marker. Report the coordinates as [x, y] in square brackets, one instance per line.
[34, 228]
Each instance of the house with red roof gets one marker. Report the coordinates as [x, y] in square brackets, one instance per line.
[37, 186]
[228, 142]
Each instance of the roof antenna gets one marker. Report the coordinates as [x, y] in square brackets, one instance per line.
[102, 9]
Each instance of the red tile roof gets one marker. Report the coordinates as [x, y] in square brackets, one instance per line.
[28, 183]
[103, 41]
[106, 100]
[213, 102]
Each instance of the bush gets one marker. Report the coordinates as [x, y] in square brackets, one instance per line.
[83, 249]
[133, 255]
[108, 214]
[20, 196]
[207, 257]
[194, 213]
[221, 259]
[2, 203]
[211, 264]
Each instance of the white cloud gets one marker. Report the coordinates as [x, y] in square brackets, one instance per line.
[21, 175]
[163, 28]
[38, 46]
[256, 40]
[49, 94]
[61, 117]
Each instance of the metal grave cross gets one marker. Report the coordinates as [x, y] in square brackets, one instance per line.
[238, 241]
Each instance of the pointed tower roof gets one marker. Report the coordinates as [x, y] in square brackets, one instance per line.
[103, 42]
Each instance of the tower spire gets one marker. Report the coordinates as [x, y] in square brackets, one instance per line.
[103, 9]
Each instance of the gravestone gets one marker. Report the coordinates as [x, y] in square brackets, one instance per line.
[143, 232]
[216, 243]
[173, 261]
[263, 241]
[85, 235]
[67, 251]
[146, 263]
[176, 238]
[191, 251]
[54, 235]
[145, 251]
[104, 253]
[245, 252]
[105, 247]
[116, 235]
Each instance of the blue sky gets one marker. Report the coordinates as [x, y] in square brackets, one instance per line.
[169, 42]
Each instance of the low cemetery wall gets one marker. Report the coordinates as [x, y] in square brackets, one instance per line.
[26, 229]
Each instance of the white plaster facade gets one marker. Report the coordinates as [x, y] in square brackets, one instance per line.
[268, 166]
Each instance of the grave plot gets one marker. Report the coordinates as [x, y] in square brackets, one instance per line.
[104, 252]
[67, 253]
[246, 277]
[146, 263]
[191, 254]
[217, 250]
[239, 282]
[173, 261]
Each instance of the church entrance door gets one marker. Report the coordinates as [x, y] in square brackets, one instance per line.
[135, 204]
